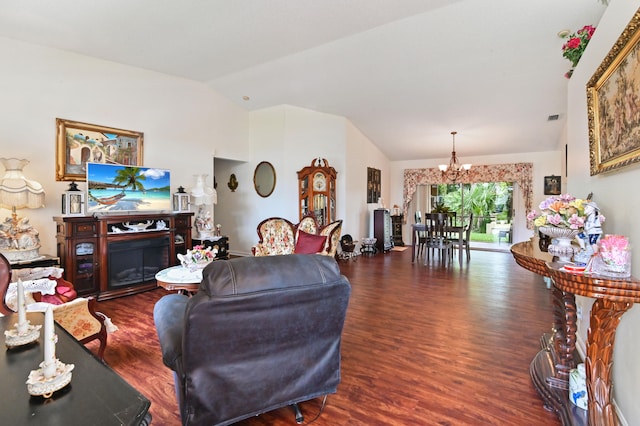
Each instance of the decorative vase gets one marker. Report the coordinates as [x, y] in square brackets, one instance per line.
[561, 247]
[197, 258]
[188, 262]
[578, 386]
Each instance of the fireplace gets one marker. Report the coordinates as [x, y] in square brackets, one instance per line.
[134, 262]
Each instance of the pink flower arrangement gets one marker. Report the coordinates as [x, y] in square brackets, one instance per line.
[614, 249]
[202, 254]
[575, 45]
[198, 257]
[561, 211]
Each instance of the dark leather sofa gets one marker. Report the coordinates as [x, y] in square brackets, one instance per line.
[261, 333]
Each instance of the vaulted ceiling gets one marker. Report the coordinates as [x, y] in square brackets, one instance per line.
[405, 72]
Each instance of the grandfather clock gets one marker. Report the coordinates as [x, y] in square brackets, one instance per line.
[317, 191]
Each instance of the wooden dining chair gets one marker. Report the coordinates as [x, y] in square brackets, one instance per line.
[438, 236]
[421, 235]
[466, 238]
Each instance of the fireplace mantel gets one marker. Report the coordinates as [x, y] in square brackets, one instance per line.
[84, 249]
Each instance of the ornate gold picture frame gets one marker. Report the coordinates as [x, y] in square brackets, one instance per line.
[613, 104]
[80, 143]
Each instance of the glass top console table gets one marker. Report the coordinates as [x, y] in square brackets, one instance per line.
[551, 366]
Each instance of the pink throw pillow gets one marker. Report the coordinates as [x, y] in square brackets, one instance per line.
[309, 243]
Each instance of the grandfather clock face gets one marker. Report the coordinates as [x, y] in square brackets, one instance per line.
[319, 182]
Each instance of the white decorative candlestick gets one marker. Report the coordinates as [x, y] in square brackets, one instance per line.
[23, 324]
[52, 374]
[49, 364]
[24, 333]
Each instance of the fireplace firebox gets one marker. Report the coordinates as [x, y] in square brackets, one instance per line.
[136, 261]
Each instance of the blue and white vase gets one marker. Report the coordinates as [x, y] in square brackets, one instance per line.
[578, 387]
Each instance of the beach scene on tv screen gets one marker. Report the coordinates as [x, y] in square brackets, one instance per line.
[114, 188]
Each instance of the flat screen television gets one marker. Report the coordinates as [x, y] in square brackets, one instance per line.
[114, 188]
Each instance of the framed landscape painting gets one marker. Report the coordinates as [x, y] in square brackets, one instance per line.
[613, 105]
[80, 143]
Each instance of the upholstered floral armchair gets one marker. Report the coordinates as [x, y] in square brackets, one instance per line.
[279, 236]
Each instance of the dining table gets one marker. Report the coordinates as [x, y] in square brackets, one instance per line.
[451, 230]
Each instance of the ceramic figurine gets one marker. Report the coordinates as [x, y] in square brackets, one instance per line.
[588, 239]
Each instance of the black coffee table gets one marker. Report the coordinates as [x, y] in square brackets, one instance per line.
[97, 395]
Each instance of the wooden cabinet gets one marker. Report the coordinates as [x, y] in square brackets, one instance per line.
[396, 230]
[182, 235]
[77, 243]
[317, 191]
[116, 255]
[382, 229]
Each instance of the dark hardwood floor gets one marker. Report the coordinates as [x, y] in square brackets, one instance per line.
[422, 345]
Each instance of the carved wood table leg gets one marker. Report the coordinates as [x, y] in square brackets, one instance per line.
[564, 337]
[605, 316]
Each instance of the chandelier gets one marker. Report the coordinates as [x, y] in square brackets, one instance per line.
[454, 169]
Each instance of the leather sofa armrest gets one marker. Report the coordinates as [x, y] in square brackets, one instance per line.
[168, 315]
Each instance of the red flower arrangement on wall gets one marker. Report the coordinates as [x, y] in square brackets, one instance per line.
[575, 45]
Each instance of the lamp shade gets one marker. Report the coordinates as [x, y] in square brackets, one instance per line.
[203, 194]
[16, 191]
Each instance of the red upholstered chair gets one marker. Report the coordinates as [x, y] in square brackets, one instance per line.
[76, 315]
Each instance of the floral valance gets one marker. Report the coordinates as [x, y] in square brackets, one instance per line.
[520, 173]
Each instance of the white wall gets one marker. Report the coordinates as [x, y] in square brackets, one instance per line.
[544, 164]
[183, 122]
[289, 138]
[360, 154]
[616, 196]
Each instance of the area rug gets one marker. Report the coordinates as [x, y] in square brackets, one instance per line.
[399, 248]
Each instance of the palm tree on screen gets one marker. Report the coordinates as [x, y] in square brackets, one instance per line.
[130, 177]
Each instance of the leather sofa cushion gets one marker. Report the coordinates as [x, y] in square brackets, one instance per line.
[249, 275]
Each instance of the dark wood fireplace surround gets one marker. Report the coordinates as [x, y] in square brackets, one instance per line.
[84, 242]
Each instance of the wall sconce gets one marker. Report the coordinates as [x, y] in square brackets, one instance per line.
[181, 201]
[73, 203]
[233, 182]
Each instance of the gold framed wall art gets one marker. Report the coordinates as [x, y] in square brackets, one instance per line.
[80, 143]
[613, 104]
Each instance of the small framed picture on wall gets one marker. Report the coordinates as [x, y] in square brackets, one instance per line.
[552, 185]
[373, 185]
